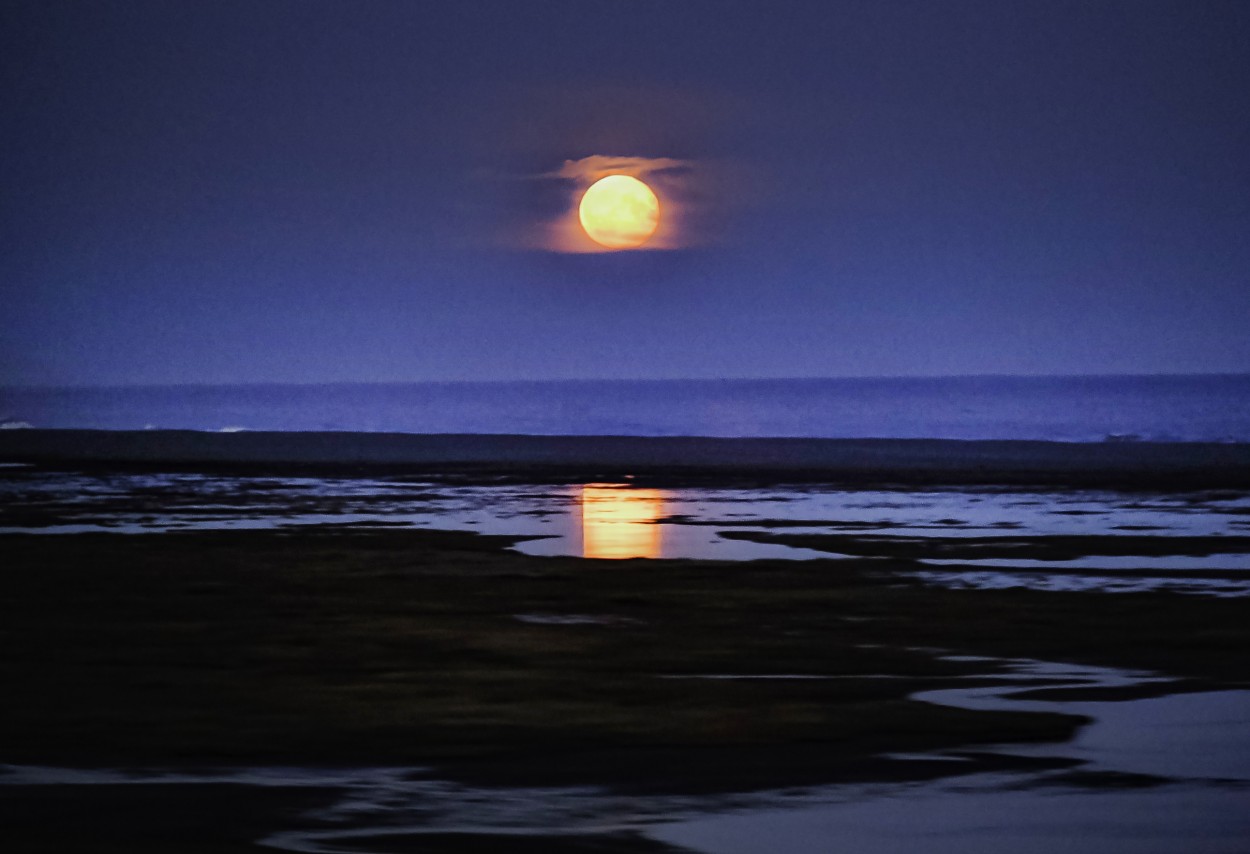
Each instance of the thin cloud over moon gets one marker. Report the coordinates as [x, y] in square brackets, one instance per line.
[596, 166]
[672, 180]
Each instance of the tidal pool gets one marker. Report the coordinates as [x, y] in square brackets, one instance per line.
[621, 520]
[1161, 774]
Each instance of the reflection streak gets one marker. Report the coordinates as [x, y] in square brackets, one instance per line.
[619, 522]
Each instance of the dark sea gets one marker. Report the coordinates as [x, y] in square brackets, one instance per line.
[1073, 409]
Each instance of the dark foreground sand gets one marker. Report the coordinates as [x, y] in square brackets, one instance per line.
[350, 647]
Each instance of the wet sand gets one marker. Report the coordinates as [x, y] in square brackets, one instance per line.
[344, 647]
[446, 651]
[147, 819]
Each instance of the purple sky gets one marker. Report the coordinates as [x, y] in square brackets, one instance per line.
[312, 191]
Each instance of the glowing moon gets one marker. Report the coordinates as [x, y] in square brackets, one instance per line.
[619, 212]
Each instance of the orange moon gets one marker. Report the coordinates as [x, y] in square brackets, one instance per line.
[619, 212]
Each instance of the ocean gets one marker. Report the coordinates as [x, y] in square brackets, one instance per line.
[1204, 408]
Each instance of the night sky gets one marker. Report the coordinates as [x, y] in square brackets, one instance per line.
[309, 191]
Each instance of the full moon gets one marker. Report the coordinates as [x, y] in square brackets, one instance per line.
[619, 212]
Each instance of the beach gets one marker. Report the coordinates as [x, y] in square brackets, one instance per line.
[224, 640]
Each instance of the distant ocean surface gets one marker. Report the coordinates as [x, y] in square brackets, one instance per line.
[1212, 408]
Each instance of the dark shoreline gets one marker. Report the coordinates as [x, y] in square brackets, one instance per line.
[1152, 465]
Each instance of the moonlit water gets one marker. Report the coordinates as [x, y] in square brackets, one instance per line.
[1079, 409]
[1190, 748]
[622, 520]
